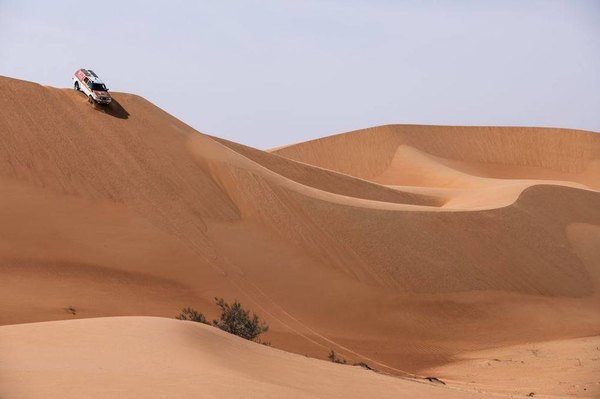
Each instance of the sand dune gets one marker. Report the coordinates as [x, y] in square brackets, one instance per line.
[400, 246]
[497, 152]
[158, 358]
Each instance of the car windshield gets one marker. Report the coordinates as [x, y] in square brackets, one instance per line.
[99, 87]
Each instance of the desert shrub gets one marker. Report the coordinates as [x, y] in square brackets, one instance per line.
[334, 358]
[192, 315]
[236, 320]
[364, 366]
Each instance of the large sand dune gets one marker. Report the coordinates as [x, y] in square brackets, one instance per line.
[411, 248]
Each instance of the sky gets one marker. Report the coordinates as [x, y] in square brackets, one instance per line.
[267, 73]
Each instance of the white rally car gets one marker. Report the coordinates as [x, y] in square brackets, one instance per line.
[89, 83]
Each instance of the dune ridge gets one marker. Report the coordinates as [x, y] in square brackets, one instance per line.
[487, 151]
[402, 246]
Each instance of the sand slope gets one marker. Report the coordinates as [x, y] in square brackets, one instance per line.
[134, 357]
[400, 246]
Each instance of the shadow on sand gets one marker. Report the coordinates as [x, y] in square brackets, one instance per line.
[113, 109]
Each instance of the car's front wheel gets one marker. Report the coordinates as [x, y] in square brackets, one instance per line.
[76, 86]
[90, 99]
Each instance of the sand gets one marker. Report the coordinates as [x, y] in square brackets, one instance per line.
[165, 358]
[414, 249]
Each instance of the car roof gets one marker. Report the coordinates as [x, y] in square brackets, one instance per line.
[91, 75]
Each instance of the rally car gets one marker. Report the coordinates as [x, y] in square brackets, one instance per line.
[89, 83]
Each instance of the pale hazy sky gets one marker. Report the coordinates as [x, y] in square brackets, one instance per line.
[267, 73]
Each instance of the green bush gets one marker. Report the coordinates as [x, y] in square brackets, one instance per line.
[236, 320]
[192, 315]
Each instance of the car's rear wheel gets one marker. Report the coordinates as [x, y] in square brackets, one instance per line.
[76, 86]
[90, 99]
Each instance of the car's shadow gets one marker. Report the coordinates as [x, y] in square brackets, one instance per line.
[113, 109]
